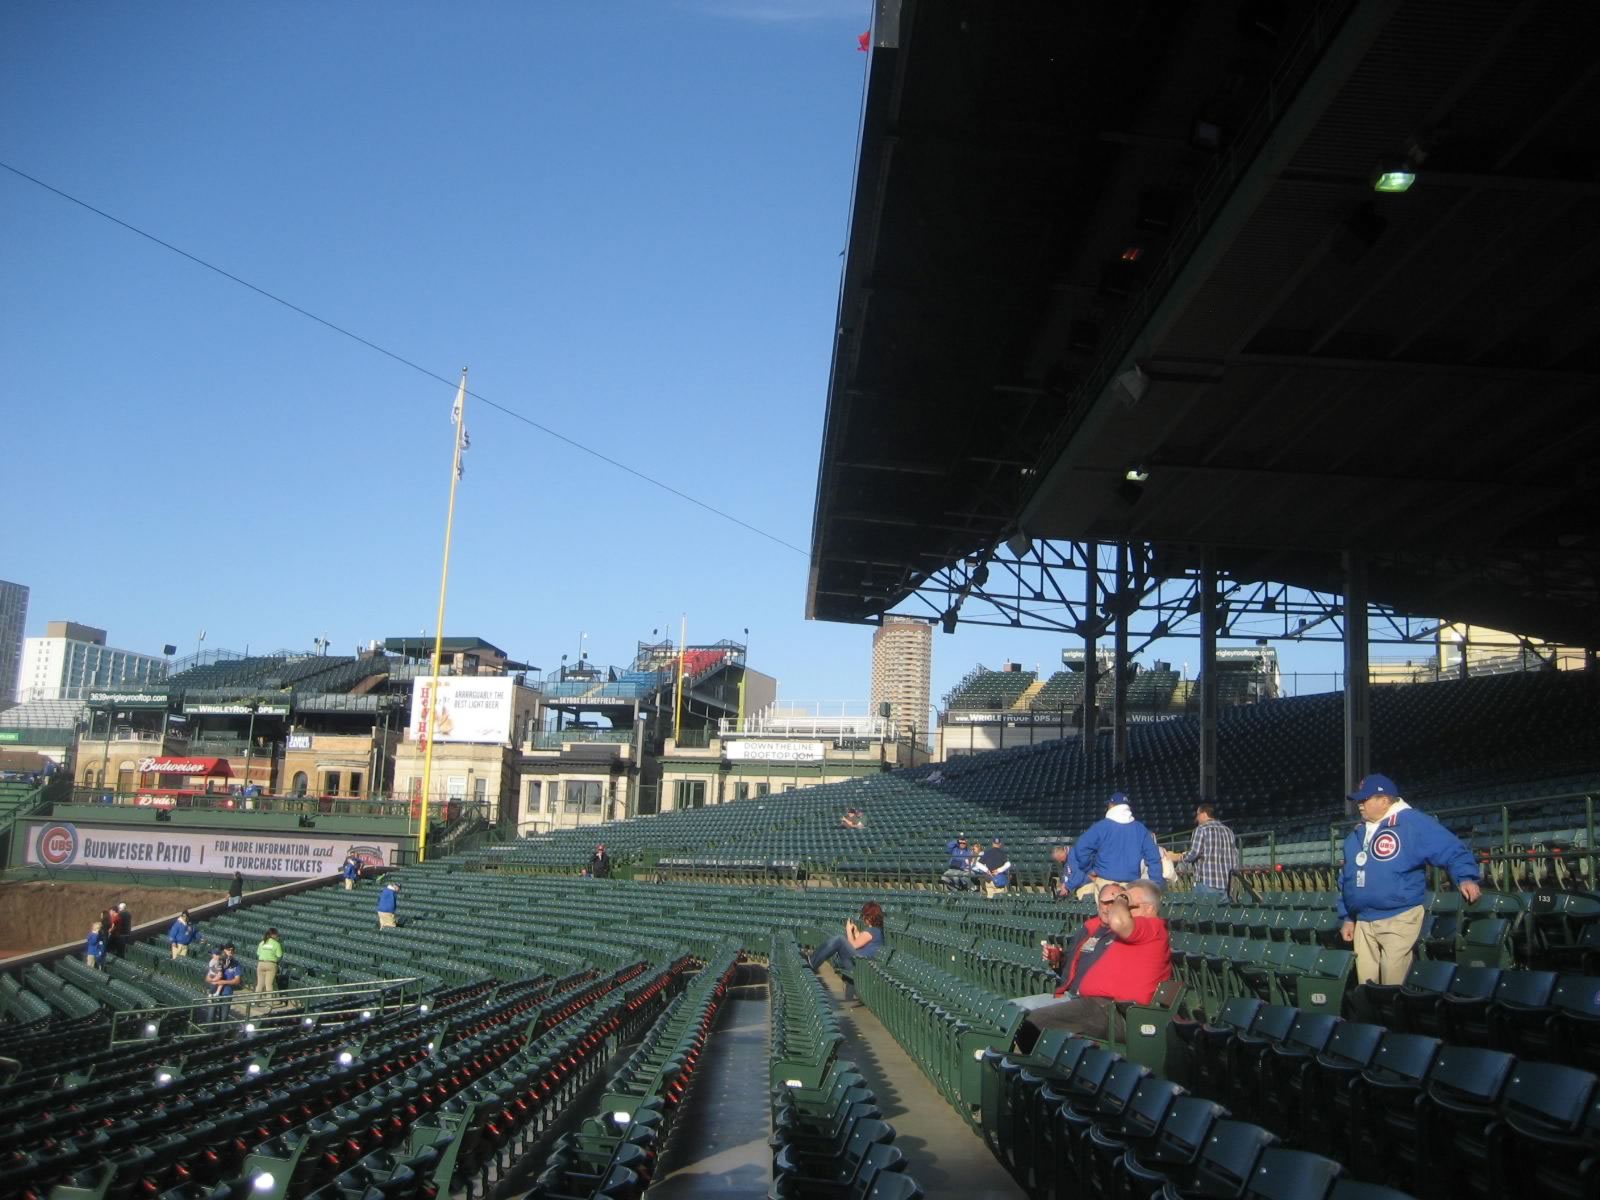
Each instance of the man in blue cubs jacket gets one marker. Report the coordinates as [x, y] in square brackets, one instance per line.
[1111, 851]
[1382, 886]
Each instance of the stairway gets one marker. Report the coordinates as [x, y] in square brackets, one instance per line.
[1025, 701]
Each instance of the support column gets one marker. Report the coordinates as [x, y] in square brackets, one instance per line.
[1091, 608]
[1119, 696]
[1357, 730]
[1208, 674]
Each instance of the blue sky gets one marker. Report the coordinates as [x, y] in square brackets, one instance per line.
[626, 218]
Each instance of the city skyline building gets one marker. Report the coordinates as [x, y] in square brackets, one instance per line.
[71, 660]
[13, 622]
[902, 668]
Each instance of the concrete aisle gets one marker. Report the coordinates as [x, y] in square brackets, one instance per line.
[720, 1148]
[942, 1152]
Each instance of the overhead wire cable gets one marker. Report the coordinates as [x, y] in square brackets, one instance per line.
[401, 359]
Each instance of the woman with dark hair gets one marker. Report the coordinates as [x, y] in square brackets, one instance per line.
[857, 941]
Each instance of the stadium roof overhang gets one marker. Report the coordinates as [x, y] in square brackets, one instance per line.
[1050, 284]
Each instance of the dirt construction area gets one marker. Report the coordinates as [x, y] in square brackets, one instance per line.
[40, 913]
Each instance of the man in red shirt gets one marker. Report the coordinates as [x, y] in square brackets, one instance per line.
[1123, 954]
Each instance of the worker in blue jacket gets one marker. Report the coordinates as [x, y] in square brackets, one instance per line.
[351, 870]
[183, 934]
[388, 900]
[1382, 885]
[1112, 851]
[94, 949]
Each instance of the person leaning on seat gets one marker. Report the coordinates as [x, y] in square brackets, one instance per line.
[1122, 955]
[1382, 884]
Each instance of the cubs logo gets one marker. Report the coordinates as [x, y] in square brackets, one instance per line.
[58, 845]
[367, 856]
[1386, 845]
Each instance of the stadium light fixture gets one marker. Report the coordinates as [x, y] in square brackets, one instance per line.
[1134, 384]
[1394, 179]
[264, 1182]
[150, 1029]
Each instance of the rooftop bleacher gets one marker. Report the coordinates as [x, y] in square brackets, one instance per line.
[983, 690]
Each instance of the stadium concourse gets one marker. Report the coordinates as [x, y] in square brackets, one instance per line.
[525, 1030]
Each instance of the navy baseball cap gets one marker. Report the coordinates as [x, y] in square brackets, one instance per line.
[1375, 785]
[1117, 798]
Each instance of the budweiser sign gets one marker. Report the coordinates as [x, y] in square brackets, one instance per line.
[183, 766]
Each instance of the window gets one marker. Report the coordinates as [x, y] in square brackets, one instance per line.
[480, 790]
[741, 791]
[690, 793]
[530, 804]
[763, 789]
[355, 783]
[298, 787]
[584, 796]
[330, 783]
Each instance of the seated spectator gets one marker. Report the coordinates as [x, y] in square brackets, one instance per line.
[993, 870]
[1058, 873]
[853, 819]
[1123, 954]
[857, 941]
[958, 875]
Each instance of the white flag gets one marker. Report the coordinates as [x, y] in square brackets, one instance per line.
[456, 419]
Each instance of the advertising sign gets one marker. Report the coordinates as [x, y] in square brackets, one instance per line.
[772, 750]
[469, 709]
[298, 741]
[63, 845]
[129, 699]
[235, 708]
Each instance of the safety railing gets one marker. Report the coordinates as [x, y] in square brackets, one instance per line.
[248, 1011]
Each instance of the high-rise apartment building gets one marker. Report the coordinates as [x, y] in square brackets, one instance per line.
[13, 620]
[71, 660]
[902, 663]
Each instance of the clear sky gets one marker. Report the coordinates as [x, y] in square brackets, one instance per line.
[627, 218]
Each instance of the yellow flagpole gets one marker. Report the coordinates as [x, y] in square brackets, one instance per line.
[460, 414]
[677, 716]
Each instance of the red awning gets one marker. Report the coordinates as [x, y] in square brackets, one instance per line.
[186, 766]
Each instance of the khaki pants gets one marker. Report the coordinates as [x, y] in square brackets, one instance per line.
[1384, 948]
[266, 976]
[1092, 888]
[990, 890]
[385, 920]
[349, 885]
[179, 951]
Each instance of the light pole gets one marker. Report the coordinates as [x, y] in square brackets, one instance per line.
[250, 742]
[744, 671]
[105, 753]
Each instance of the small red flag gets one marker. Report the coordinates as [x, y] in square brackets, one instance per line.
[864, 41]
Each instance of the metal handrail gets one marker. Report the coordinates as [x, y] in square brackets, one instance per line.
[151, 1021]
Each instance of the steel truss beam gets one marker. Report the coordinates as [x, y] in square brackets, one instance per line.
[1043, 589]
